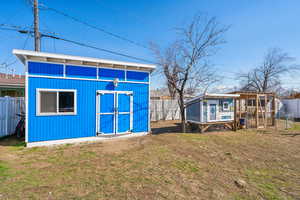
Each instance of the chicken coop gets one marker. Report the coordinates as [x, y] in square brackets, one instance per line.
[256, 109]
[212, 110]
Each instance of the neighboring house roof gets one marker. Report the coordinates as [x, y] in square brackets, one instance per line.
[24, 55]
[9, 80]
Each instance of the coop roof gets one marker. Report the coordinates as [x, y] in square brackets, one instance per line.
[253, 94]
[212, 96]
[24, 55]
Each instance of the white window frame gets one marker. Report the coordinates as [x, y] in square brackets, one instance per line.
[38, 103]
[225, 109]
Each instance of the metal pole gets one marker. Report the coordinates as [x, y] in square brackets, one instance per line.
[37, 36]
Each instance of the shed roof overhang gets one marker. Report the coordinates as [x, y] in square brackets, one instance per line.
[212, 96]
[25, 55]
[253, 94]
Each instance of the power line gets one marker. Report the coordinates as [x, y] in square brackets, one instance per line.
[95, 27]
[10, 28]
[101, 49]
[24, 31]
[14, 27]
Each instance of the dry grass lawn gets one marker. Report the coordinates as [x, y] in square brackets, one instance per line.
[165, 165]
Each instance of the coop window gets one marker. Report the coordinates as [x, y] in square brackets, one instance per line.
[225, 105]
[56, 102]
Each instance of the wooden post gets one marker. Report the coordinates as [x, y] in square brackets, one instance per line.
[235, 115]
[240, 108]
[256, 109]
[266, 113]
[163, 109]
[246, 111]
[273, 110]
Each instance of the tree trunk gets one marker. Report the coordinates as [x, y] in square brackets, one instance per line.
[182, 112]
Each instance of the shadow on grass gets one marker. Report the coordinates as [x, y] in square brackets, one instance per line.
[174, 128]
[13, 141]
[291, 134]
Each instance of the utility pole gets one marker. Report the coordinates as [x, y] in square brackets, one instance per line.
[37, 35]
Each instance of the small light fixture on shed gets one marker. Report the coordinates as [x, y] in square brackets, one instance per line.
[116, 81]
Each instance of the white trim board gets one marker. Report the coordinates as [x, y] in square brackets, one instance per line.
[116, 113]
[84, 139]
[26, 102]
[84, 79]
[57, 113]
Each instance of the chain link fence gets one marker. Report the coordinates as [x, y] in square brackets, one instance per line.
[288, 112]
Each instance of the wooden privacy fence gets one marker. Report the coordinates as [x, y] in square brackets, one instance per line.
[164, 109]
[9, 108]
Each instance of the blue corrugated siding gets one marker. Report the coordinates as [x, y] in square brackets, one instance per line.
[111, 74]
[123, 123]
[46, 69]
[42, 128]
[108, 120]
[107, 103]
[137, 76]
[81, 72]
[123, 119]
[123, 103]
[50, 69]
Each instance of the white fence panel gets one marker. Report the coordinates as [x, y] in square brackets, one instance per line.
[164, 110]
[9, 108]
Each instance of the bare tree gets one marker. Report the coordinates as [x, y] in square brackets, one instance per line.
[267, 76]
[185, 62]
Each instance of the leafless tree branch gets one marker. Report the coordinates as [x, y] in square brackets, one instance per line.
[184, 63]
[266, 77]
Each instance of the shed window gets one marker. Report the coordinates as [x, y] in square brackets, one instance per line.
[48, 102]
[225, 105]
[66, 101]
[56, 102]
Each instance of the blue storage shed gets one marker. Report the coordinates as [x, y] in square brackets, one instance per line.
[73, 99]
